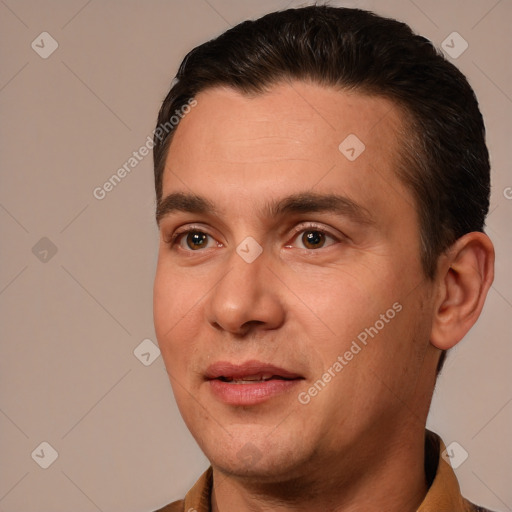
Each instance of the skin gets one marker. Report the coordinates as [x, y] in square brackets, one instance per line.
[300, 307]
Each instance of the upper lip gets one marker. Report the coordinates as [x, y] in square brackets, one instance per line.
[249, 368]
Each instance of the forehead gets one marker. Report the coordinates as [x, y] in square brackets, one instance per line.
[313, 116]
[294, 137]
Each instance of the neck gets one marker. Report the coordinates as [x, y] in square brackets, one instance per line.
[391, 477]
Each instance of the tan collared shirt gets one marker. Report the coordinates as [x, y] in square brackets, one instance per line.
[443, 494]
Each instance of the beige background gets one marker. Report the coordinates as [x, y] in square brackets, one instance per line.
[70, 321]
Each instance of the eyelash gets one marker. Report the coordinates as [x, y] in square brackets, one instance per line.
[317, 228]
[175, 238]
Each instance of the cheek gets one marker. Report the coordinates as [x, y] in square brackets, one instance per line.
[176, 301]
[361, 319]
[343, 303]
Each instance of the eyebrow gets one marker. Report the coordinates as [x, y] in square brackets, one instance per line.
[181, 202]
[311, 202]
[301, 203]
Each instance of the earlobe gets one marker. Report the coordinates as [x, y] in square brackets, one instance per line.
[465, 274]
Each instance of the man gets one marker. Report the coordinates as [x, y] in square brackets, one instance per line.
[321, 205]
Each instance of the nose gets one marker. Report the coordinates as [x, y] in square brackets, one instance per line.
[246, 298]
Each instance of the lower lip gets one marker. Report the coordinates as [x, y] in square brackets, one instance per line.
[250, 394]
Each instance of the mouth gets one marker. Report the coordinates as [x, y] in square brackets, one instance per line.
[249, 383]
[248, 379]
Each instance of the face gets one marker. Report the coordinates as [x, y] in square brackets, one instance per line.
[290, 304]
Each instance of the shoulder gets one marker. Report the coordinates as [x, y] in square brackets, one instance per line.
[176, 506]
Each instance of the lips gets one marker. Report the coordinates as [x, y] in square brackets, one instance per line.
[251, 370]
[250, 383]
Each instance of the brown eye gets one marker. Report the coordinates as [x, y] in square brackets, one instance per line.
[313, 239]
[196, 240]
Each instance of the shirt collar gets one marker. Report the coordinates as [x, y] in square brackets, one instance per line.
[444, 491]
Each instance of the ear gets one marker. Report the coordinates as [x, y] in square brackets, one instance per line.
[464, 275]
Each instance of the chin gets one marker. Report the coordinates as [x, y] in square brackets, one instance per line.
[262, 461]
